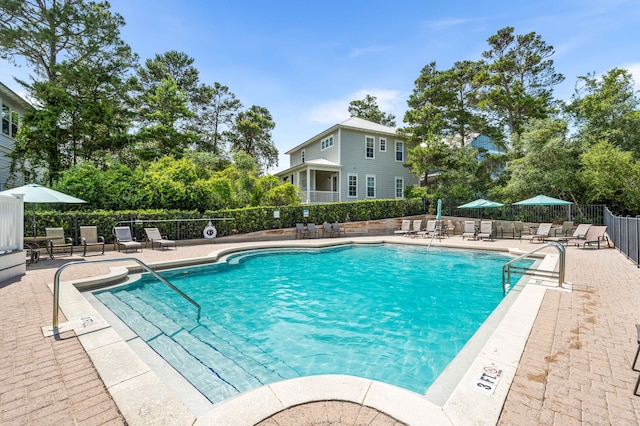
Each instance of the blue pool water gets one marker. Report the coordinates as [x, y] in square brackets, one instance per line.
[398, 314]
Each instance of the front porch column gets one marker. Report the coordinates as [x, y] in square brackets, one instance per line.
[308, 185]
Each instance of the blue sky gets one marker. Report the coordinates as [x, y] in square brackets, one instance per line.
[305, 61]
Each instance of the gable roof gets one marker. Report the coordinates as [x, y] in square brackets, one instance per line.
[6, 92]
[351, 123]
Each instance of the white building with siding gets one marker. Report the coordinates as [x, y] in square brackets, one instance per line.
[13, 108]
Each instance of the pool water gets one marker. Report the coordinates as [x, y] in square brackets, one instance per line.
[398, 314]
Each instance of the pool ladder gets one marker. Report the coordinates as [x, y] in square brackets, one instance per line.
[509, 267]
[56, 283]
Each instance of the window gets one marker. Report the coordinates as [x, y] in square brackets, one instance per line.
[14, 123]
[370, 143]
[327, 143]
[399, 151]
[302, 155]
[6, 117]
[371, 186]
[353, 185]
[399, 187]
[383, 145]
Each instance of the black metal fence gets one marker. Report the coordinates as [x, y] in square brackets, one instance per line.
[625, 233]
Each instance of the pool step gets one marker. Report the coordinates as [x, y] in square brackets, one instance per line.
[216, 367]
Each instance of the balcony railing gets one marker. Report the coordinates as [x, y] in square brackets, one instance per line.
[318, 197]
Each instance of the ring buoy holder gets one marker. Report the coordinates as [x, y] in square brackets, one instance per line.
[209, 231]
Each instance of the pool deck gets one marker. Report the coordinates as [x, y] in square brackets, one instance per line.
[575, 369]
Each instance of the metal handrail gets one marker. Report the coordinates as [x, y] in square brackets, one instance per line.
[506, 269]
[56, 283]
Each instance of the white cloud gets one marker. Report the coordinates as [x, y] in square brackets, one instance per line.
[337, 110]
[634, 69]
[446, 23]
[363, 50]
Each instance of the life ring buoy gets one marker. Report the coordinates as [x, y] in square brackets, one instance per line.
[209, 231]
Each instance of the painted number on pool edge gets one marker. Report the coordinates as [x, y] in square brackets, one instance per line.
[488, 380]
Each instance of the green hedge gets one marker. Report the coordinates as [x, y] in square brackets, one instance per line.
[181, 225]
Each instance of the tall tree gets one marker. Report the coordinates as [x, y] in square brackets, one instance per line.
[251, 133]
[68, 44]
[443, 104]
[368, 109]
[608, 109]
[517, 79]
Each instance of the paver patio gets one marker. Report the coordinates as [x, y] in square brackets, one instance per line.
[576, 368]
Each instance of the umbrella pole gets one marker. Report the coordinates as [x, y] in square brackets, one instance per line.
[34, 221]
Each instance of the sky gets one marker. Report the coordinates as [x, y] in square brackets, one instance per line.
[305, 61]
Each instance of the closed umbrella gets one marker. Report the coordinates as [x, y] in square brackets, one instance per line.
[439, 213]
[34, 193]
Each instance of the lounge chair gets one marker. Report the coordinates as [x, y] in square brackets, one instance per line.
[327, 230]
[125, 240]
[507, 228]
[312, 230]
[89, 237]
[486, 230]
[338, 229]
[431, 228]
[542, 233]
[595, 235]
[154, 237]
[301, 231]
[57, 242]
[518, 227]
[578, 235]
[404, 228]
[567, 227]
[469, 229]
[415, 228]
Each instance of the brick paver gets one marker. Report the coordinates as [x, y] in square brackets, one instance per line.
[576, 368]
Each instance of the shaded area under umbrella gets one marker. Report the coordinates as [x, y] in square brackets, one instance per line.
[34, 193]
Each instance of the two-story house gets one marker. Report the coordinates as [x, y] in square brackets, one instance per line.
[13, 107]
[353, 160]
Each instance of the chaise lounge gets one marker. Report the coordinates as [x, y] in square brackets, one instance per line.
[125, 240]
[154, 237]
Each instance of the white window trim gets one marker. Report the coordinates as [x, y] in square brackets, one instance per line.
[395, 186]
[373, 148]
[385, 144]
[366, 183]
[348, 182]
[326, 143]
[395, 152]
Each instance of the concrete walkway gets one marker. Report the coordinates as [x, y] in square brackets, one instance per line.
[576, 368]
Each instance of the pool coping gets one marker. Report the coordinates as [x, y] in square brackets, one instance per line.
[125, 374]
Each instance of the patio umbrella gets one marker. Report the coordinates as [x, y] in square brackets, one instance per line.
[34, 193]
[542, 200]
[480, 203]
[439, 213]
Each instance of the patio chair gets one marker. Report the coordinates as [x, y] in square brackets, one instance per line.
[312, 230]
[125, 240]
[429, 229]
[518, 227]
[89, 237]
[567, 227]
[469, 229]
[338, 229]
[486, 230]
[507, 228]
[404, 228]
[301, 231]
[327, 230]
[154, 237]
[56, 242]
[415, 228]
[595, 235]
[542, 233]
[579, 235]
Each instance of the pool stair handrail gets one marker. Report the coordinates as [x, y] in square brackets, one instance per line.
[149, 269]
[509, 267]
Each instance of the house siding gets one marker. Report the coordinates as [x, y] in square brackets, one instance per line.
[384, 166]
[7, 141]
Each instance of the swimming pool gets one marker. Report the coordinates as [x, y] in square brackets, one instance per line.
[392, 313]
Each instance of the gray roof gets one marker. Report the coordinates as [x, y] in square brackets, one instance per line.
[351, 123]
[10, 94]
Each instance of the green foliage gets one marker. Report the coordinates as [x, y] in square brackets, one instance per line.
[251, 133]
[368, 109]
[611, 176]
